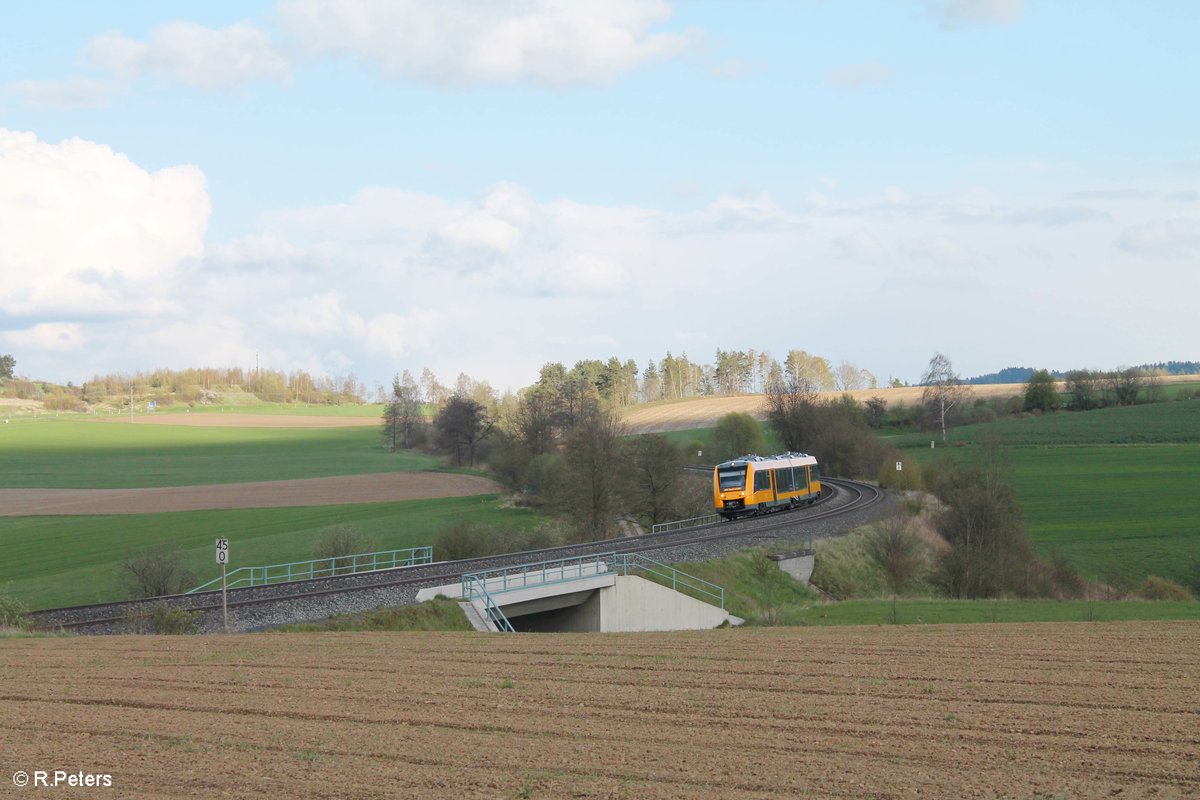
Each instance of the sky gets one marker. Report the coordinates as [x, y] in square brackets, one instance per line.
[367, 186]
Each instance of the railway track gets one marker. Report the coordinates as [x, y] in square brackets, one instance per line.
[840, 497]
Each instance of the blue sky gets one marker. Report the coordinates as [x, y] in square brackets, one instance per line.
[368, 187]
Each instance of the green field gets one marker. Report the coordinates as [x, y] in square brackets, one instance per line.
[1115, 490]
[701, 440]
[76, 453]
[57, 561]
[1116, 512]
[1159, 423]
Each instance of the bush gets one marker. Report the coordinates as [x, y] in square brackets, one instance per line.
[1156, 588]
[155, 572]
[63, 402]
[336, 542]
[898, 552]
[908, 478]
[1193, 576]
[1066, 580]
[844, 569]
[737, 434]
[161, 618]
[12, 613]
[469, 540]
[989, 551]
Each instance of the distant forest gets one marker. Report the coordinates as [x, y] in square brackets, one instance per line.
[1022, 374]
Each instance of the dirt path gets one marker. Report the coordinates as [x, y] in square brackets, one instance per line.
[1071, 710]
[375, 488]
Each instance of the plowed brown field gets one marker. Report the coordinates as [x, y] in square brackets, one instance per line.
[381, 487]
[214, 419]
[1084, 710]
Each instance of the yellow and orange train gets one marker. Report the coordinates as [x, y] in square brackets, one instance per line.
[757, 484]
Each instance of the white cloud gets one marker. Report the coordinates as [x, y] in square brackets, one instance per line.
[858, 76]
[85, 230]
[312, 315]
[955, 14]
[254, 251]
[192, 54]
[1173, 238]
[52, 336]
[588, 274]
[861, 247]
[67, 94]
[554, 42]
[394, 335]
[936, 251]
[496, 286]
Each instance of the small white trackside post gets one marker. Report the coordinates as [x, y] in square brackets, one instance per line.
[223, 560]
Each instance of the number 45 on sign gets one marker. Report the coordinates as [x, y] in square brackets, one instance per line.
[222, 551]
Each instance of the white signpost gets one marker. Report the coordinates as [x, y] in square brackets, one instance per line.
[223, 559]
[899, 466]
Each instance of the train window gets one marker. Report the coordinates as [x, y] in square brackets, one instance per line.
[731, 479]
[762, 481]
[783, 480]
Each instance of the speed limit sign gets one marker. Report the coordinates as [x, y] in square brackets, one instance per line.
[222, 551]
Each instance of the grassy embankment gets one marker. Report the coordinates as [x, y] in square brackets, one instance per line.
[439, 614]
[759, 592]
[64, 560]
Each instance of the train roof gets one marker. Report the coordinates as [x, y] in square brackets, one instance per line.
[770, 462]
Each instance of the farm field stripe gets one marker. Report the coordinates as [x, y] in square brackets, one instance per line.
[339, 490]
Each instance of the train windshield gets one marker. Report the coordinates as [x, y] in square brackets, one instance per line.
[732, 479]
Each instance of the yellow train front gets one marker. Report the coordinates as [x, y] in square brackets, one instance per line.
[757, 484]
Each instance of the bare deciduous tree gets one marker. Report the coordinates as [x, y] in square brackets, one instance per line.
[402, 414]
[790, 402]
[155, 572]
[462, 425]
[943, 388]
[593, 473]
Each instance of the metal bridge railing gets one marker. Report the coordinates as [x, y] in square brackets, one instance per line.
[540, 573]
[475, 589]
[321, 568]
[694, 522]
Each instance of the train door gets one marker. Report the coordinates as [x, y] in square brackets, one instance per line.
[763, 489]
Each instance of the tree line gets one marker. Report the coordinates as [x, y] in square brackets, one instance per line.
[195, 386]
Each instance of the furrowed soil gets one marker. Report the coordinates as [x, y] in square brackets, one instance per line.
[214, 419]
[1062, 710]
